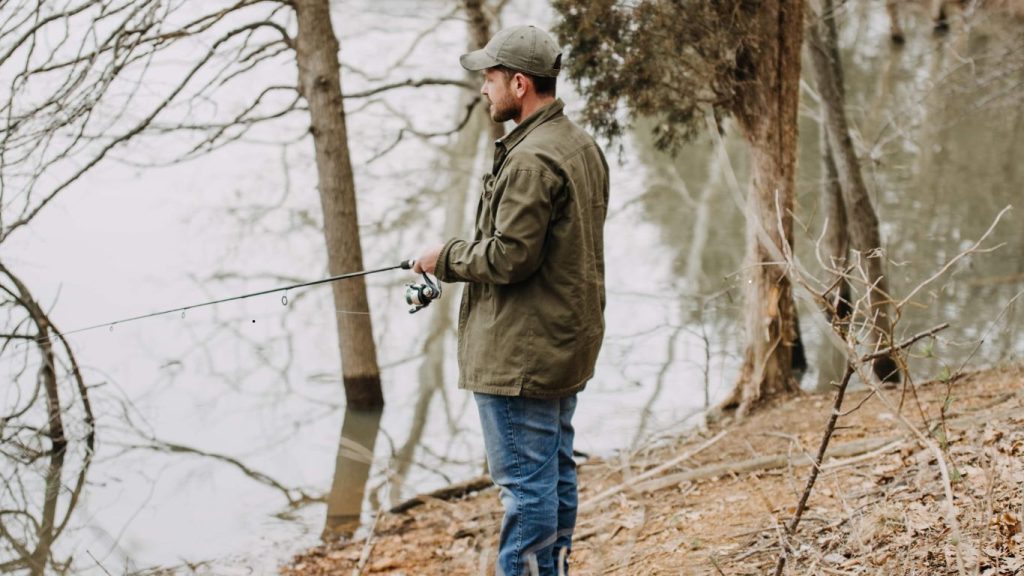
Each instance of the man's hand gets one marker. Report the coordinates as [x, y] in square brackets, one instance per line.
[427, 261]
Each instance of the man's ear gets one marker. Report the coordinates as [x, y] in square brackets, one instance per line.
[521, 84]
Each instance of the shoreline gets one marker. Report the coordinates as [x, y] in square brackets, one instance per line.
[712, 501]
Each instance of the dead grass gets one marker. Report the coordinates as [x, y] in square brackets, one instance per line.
[876, 513]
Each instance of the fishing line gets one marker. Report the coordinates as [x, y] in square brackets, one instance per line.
[418, 296]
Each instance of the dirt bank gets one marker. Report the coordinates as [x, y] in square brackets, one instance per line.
[714, 502]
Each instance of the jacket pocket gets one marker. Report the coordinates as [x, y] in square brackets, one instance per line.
[484, 217]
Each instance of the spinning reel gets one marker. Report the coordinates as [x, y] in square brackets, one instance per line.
[420, 295]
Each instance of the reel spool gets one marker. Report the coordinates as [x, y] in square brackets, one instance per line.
[419, 296]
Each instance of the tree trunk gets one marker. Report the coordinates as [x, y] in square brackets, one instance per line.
[892, 8]
[862, 221]
[320, 84]
[832, 359]
[768, 117]
[480, 26]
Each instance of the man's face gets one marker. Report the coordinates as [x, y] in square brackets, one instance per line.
[498, 90]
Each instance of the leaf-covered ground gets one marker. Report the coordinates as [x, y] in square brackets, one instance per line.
[880, 505]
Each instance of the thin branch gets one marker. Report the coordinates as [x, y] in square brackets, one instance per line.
[411, 84]
[972, 249]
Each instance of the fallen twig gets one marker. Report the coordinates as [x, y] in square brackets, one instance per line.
[759, 463]
[447, 493]
[593, 501]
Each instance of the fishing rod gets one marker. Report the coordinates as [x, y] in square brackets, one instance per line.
[418, 296]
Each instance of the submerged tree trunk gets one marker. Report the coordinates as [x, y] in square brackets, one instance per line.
[768, 117]
[861, 218]
[320, 84]
[351, 472]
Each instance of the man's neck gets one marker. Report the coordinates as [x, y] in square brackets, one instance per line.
[531, 104]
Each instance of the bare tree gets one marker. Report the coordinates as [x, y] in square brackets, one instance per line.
[320, 84]
[852, 214]
[832, 360]
[153, 82]
[673, 61]
[848, 335]
[81, 83]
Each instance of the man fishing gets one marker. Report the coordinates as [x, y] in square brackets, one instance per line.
[531, 320]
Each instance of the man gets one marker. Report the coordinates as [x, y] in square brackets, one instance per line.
[532, 315]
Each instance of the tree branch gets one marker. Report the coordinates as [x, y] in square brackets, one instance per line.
[411, 84]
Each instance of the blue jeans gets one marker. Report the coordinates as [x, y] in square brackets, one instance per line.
[529, 452]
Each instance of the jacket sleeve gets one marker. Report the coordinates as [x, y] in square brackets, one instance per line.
[516, 249]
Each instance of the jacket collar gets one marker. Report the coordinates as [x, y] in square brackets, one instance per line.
[504, 145]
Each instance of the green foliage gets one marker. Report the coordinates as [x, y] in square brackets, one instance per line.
[659, 58]
[955, 476]
[928, 350]
[939, 434]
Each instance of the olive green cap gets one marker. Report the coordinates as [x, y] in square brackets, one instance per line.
[524, 48]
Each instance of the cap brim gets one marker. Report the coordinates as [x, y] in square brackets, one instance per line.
[477, 60]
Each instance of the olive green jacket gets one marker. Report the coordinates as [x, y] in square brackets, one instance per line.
[532, 315]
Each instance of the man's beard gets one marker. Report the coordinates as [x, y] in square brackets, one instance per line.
[505, 109]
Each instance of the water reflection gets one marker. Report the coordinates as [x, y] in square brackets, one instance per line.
[456, 191]
[944, 165]
[46, 423]
[458, 163]
[351, 472]
[938, 125]
[36, 511]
